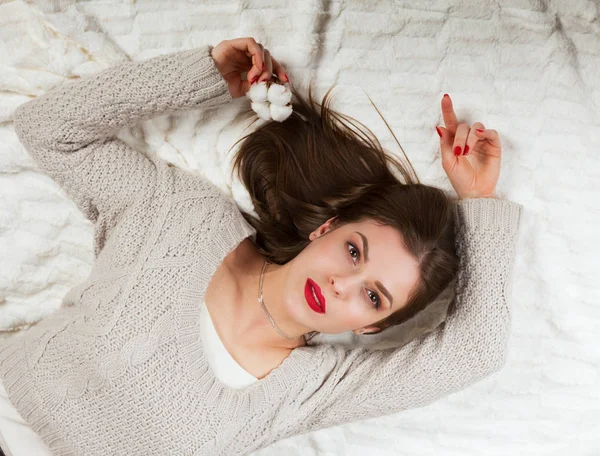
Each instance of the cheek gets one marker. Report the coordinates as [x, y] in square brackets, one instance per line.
[324, 251]
[352, 315]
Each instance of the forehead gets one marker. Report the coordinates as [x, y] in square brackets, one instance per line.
[381, 238]
[378, 232]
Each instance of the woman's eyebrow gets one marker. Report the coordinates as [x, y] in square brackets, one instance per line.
[383, 289]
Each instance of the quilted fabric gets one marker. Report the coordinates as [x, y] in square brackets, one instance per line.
[528, 69]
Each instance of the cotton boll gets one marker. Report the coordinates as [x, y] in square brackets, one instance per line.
[279, 95]
[262, 109]
[271, 100]
[258, 92]
[280, 113]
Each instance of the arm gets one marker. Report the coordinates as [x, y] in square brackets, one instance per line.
[69, 130]
[472, 343]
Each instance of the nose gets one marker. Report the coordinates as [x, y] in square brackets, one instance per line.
[333, 284]
[340, 287]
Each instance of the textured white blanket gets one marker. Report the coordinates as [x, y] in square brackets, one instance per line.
[529, 69]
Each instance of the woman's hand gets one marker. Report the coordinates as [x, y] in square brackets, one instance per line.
[233, 57]
[475, 170]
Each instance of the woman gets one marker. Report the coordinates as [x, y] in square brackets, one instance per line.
[128, 365]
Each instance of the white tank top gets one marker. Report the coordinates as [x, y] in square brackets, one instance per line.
[224, 367]
[18, 439]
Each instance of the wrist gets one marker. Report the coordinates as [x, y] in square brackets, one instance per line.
[492, 195]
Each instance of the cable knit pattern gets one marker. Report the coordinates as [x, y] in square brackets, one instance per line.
[120, 368]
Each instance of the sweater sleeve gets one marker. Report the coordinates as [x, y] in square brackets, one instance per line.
[470, 344]
[69, 131]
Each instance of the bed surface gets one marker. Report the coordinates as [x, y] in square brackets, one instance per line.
[529, 69]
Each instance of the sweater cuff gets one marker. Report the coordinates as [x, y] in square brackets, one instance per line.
[489, 213]
[201, 70]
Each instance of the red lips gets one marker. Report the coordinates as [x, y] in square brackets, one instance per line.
[311, 284]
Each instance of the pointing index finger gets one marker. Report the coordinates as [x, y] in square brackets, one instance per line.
[450, 121]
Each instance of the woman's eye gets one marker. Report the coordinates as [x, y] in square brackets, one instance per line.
[377, 303]
[353, 248]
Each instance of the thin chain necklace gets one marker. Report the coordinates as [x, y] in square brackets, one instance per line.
[262, 303]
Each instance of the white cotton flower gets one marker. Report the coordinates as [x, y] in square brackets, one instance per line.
[279, 94]
[271, 100]
[258, 92]
[280, 113]
[262, 109]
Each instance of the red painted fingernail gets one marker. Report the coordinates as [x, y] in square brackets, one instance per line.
[480, 131]
[466, 150]
[446, 95]
[286, 78]
[457, 151]
[253, 80]
[439, 131]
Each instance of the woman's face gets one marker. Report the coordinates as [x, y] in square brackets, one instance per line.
[363, 271]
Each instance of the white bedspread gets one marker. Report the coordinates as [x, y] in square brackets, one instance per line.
[529, 69]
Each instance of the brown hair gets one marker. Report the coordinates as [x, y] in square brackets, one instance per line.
[313, 166]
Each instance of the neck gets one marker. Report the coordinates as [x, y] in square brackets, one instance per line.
[253, 326]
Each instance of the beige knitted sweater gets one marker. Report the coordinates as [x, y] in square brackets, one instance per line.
[120, 368]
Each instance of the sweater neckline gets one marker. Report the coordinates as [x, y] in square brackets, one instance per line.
[291, 370]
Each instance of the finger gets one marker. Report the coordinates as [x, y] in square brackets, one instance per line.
[446, 141]
[250, 46]
[448, 114]
[262, 62]
[267, 68]
[472, 137]
[491, 136]
[257, 69]
[460, 139]
[279, 70]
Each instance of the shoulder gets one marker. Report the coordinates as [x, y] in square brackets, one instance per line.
[183, 184]
[243, 257]
[184, 181]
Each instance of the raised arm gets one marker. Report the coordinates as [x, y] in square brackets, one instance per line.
[472, 343]
[70, 130]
